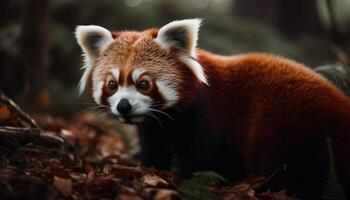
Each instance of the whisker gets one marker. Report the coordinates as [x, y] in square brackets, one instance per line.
[101, 112]
[93, 109]
[159, 111]
[160, 123]
[158, 103]
[83, 103]
[161, 105]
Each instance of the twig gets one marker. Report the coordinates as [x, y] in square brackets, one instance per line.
[13, 105]
[22, 135]
[11, 129]
[29, 135]
[279, 169]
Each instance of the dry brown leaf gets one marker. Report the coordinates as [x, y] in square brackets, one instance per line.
[128, 197]
[60, 172]
[153, 180]
[4, 113]
[111, 145]
[257, 182]
[91, 175]
[161, 194]
[63, 185]
[125, 172]
[281, 195]
[241, 188]
[231, 197]
[165, 194]
[78, 176]
[107, 169]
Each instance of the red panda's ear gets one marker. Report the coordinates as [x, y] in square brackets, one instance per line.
[182, 33]
[92, 40]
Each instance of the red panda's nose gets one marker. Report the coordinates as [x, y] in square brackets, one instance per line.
[124, 107]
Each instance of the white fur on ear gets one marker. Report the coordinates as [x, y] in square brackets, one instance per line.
[183, 33]
[196, 68]
[92, 40]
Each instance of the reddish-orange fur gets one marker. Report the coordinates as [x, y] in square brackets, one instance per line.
[274, 104]
[271, 107]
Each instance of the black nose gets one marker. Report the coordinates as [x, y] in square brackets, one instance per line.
[124, 107]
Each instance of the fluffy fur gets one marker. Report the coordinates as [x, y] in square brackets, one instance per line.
[183, 33]
[92, 40]
[236, 115]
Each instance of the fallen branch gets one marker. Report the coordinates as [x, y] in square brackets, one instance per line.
[24, 115]
[20, 136]
[10, 129]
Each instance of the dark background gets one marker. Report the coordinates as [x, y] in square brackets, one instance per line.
[40, 60]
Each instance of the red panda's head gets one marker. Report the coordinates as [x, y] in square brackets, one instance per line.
[136, 73]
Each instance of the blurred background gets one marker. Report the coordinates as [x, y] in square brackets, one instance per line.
[40, 60]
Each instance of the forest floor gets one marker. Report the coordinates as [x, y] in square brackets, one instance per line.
[84, 157]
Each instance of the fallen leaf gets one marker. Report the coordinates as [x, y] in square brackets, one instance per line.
[281, 195]
[165, 194]
[63, 185]
[4, 113]
[128, 197]
[231, 197]
[91, 175]
[242, 188]
[125, 172]
[153, 180]
[161, 194]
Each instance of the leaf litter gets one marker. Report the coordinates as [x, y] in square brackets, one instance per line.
[86, 157]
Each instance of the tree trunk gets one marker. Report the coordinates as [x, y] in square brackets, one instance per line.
[34, 51]
[289, 17]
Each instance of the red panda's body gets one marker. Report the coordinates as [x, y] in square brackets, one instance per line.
[241, 115]
[260, 113]
[271, 104]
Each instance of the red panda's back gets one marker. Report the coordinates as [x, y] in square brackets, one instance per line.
[274, 106]
[265, 87]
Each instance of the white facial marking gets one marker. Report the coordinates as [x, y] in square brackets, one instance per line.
[84, 79]
[168, 92]
[136, 74]
[139, 102]
[115, 73]
[196, 68]
[97, 89]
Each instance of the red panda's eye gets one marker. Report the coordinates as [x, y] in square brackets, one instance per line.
[143, 85]
[112, 86]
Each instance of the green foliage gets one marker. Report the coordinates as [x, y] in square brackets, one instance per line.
[201, 186]
[338, 74]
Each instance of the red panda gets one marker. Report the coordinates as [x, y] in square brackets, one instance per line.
[236, 115]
